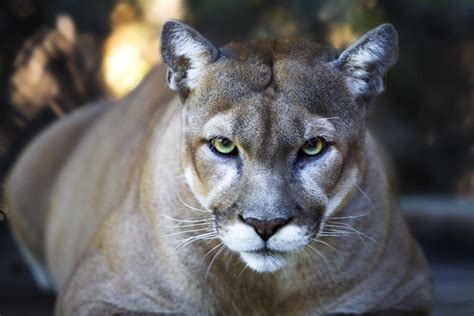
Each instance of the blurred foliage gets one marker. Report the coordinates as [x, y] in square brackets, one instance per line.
[425, 119]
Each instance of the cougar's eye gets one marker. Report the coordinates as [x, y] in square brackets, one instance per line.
[223, 146]
[314, 146]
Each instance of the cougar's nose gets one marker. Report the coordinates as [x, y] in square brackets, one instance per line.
[266, 228]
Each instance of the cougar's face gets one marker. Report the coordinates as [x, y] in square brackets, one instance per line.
[270, 149]
[273, 132]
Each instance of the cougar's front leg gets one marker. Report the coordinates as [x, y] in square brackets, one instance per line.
[96, 290]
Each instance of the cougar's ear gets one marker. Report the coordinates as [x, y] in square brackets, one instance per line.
[365, 62]
[186, 53]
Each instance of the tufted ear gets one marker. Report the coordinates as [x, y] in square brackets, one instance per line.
[365, 62]
[186, 53]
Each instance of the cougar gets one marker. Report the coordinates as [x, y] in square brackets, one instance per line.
[257, 190]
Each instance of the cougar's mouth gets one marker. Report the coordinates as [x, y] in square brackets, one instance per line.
[265, 259]
[265, 252]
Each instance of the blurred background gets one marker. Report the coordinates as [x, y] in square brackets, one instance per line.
[57, 55]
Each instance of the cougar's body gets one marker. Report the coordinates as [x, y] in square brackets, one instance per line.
[104, 199]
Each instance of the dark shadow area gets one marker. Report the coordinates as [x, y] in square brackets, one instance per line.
[18, 292]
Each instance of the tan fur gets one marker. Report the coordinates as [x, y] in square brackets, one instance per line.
[92, 198]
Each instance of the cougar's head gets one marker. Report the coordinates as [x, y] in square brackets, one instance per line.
[274, 132]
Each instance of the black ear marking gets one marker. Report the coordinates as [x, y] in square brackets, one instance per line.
[366, 61]
[169, 75]
[186, 53]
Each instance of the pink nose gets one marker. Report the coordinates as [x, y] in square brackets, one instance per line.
[266, 228]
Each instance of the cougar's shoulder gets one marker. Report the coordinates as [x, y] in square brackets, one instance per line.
[36, 171]
[104, 173]
[84, 149]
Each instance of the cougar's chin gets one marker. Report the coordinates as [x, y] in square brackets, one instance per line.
[264, 261]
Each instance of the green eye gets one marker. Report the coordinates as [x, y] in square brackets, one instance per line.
[314, 146]
[223, 145]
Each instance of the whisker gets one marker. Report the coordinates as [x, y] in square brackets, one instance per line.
[330, 246]
[227, 254]
[367, 197]
[345, 225]
[187, 231]
[354, 231]
[174, 179]
[284, 272]
[213, 259]
[184, 203]
[346, 217]
[319, 253]
[200, 236]
[220, 244]
[242, 271]
[306, 254]
[337, 234]
[350, 230]
[340, 232]
[190, 225]
[185, 242]
[191, 207]
[191, 220]
[341, 225]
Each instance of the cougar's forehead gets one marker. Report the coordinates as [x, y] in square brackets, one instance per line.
[279, 86]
